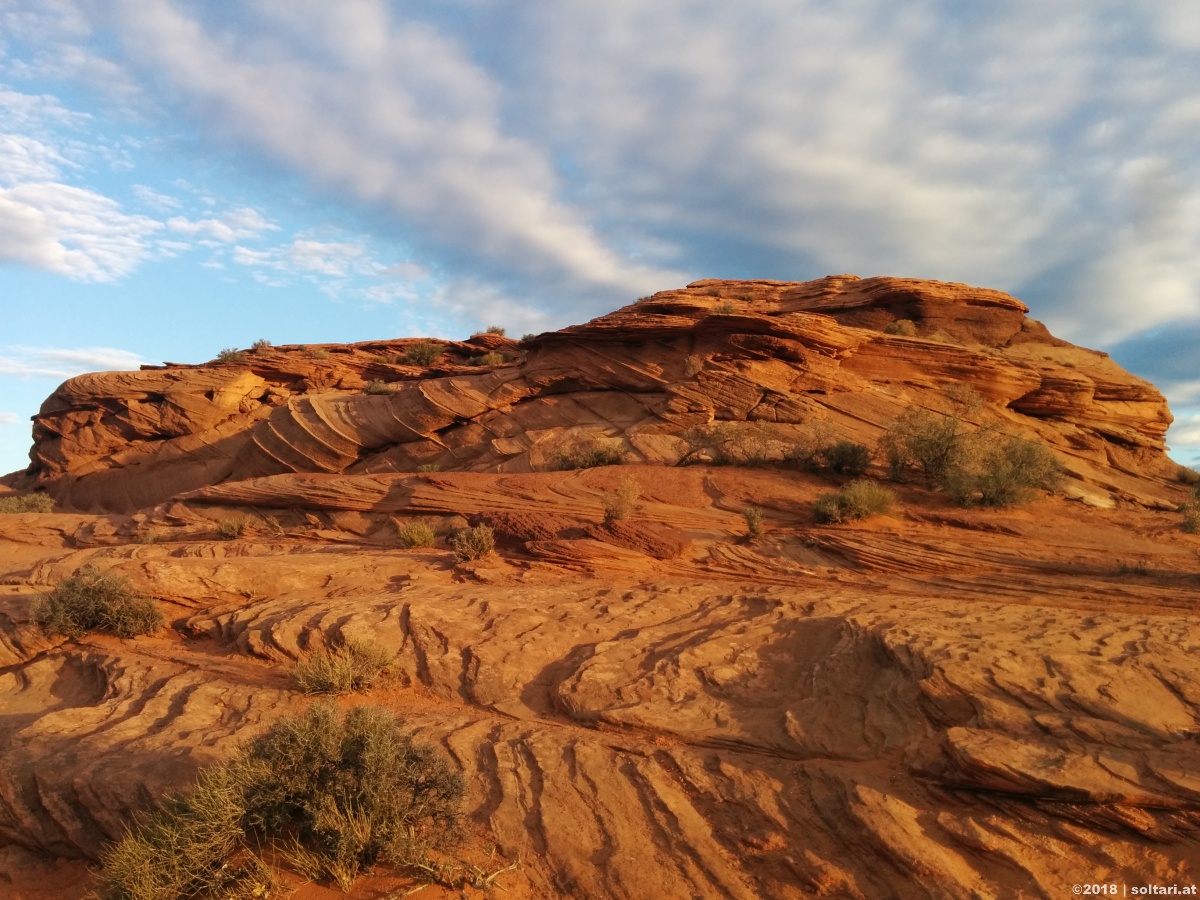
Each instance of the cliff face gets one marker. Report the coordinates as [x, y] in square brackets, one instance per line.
[741, 351]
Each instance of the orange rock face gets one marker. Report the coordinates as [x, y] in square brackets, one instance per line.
[936, 702]
[755, 351]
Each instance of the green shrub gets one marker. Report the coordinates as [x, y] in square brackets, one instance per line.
[93, 601]
[588, 453]
[228, 529]
[473, 543]
[528, 336]
[1006, 474]
[620, 503]
[729, 443]
[352, 667]
[423, 353]
[261, 345]
[231, 355]
[902, 327]
[932, 442]
[754, 520]
[377, 388]
[845, 458]
[417, 533]
[857, 500]
[332, 794]
[19, 503]
[495, 329]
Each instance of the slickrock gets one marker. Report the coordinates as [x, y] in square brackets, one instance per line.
[937, 702]
[785, 353]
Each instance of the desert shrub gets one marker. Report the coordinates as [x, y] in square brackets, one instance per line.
[352, 667]
[620, 503]
[528, 336]
[94, 601]
[331, 794]
[928, 441]
[423, 353]
[729, 443]
[429, 467]
[417, 533]
[725, 309]
[1186, 475]
[754, 518]
[231, 355]
[844, 458]
[319, 353]
[473, 543]
[495, 329]
[495, 358]
[857, 500]
[1004, 475]
[377, 388]
[38, 503]
[588, 453]
[693, 365]
[260, 345]
[808, 449]
[902, 327]
[1191, 515]
[228, 529]
[382, 359]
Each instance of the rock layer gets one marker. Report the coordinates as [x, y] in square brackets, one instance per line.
[743, 352]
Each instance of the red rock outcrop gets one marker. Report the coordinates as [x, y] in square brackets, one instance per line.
[739, 351]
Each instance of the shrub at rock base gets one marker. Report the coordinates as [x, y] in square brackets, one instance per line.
[39, 503]
[620, 503]
[1005, 475]
[588, 454]
[415, 534]
[352, 667]
[331, 794]
[857, 500]
[473, 543]
[93, 601]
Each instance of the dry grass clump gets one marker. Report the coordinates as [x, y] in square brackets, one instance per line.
[1191, 511]
[495, 329]
[588, 453]
[725, 308]
[423, 353]
[495, 358]
[901, 327]
[417, 533]
[330, 794]
[857, 500]
[260, 346]
[20, 503]
[231, 355]
[228, 529]
[377, 388]
[619, 504]
[91, 600]
[473, 543]
[354, 666]
[754, 519]
[1186, 475]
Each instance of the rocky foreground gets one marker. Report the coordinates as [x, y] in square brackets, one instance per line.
[940, 702]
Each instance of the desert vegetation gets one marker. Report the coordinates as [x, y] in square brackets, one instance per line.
[329, 795]
[1191, 511]
[473, 543]
[901, 327]
[414, 534]
[377, 387]
[354, 666]
[262, 345]
[620, 504]
[754, 519]
[423, 353]
[229, 529]
[728, 443]
[495, 329]
[231, 355]
[91, 600]
[20, 503]
[857, 500]
[587, 453]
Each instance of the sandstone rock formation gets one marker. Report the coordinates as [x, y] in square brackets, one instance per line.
[941, 702]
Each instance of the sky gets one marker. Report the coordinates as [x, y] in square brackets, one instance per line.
[178, 177]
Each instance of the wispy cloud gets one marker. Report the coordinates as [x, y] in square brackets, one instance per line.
[63, 362]
[7, 418]
[235, 225]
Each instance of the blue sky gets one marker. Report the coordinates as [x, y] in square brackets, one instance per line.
[178, 177]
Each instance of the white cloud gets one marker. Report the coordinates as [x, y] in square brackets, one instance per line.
[236, 225]
[58, 362]
[159, 202]
[7, 418]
